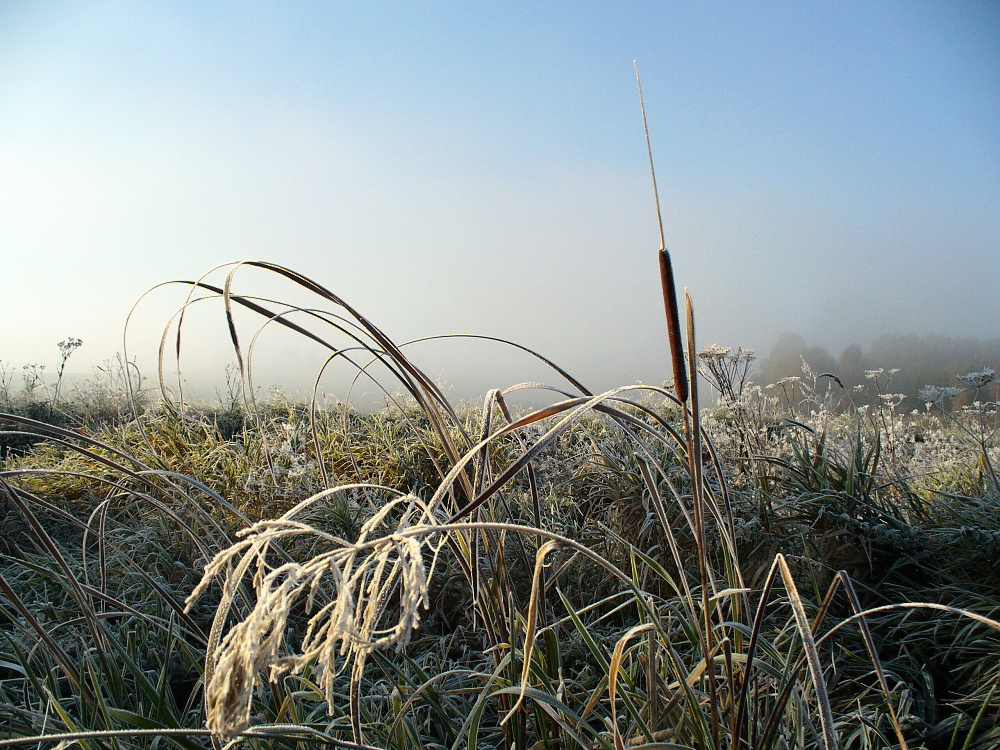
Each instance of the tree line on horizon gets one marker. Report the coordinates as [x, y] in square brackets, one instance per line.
[931, 359]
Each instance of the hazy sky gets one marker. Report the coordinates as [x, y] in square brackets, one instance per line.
[826, 168]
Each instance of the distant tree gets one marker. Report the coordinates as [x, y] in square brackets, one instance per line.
[852, 365]
[783, 361]
[786, 358]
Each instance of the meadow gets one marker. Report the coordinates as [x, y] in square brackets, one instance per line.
[710, 563]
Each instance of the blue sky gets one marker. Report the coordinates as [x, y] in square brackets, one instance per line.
[827, 168]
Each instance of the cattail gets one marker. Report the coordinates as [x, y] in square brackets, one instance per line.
[673, 325]
[666, 271]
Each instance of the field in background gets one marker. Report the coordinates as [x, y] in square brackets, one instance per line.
[804, 564]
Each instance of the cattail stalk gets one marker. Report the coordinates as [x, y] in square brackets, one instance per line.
[693, 432]
[673, 326]
[666, 272]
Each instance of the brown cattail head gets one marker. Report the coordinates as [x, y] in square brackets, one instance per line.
[673, 325]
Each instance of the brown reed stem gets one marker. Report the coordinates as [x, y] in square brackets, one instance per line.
[698, 502]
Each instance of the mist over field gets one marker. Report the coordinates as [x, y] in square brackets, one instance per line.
[830, 172]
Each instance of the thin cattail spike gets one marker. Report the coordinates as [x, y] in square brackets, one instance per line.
[649, 150]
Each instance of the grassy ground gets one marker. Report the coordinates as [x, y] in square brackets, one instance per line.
[792, 566]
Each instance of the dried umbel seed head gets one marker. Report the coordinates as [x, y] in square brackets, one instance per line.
[714, 352]
[979, 379]
[932, 394]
